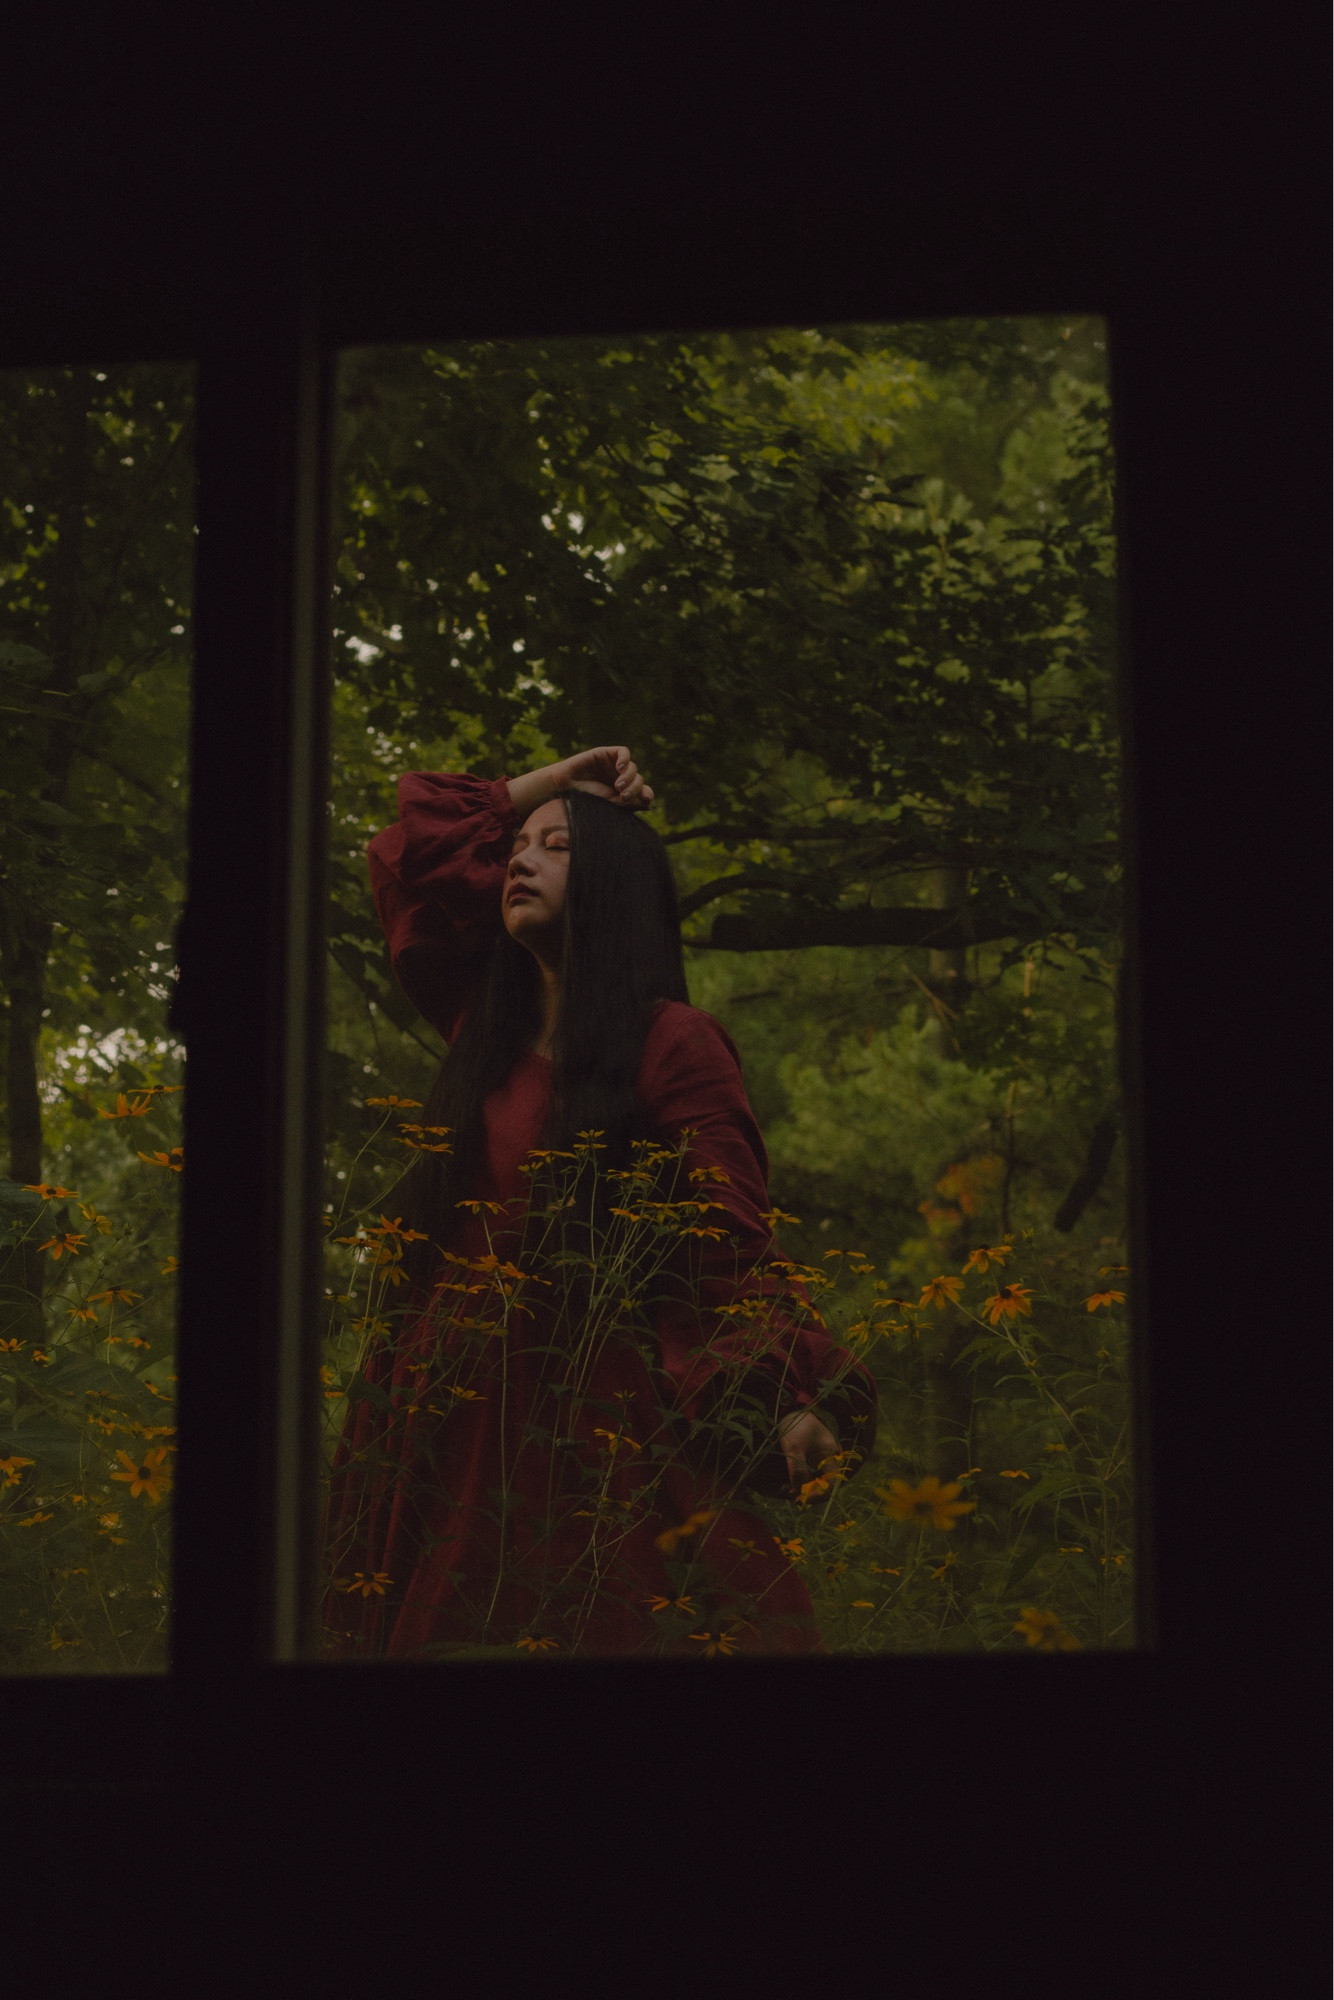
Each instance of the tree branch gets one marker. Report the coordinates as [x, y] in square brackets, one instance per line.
[940, 930]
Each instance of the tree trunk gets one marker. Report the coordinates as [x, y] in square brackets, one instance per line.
[25, 976]
[947, 977]
[25, 945]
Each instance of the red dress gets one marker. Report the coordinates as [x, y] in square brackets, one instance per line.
[464, 1504]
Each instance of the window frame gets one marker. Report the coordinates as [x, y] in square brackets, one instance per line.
[264, 328]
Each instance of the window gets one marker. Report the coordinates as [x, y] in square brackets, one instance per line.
[848, 594]
[95, 654]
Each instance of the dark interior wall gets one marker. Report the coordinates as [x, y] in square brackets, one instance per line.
[568, 180]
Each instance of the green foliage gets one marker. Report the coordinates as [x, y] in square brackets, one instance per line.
[96, 572]
[848, 594]
[87, 1395]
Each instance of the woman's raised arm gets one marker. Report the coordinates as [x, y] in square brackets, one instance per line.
[610, 772]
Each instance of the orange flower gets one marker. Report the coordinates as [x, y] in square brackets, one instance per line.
[124, 1108]
[538, 1645]
[12, 1346]
[927, 1501]
[1096, 1299]
[1016, 1475]
[174, 1161]
[863, 1604]
[615, 1439]
[12, 1468]
[940, 1292]
[48, 1190]
[723, 1642]
[149, 1478]
[369, 1586]
[1008, 1303]
[1044, 1630]
[63, 1246]
[115, 1292]
[808, 1492]
[83, 1312]
[987, 1254]
[401, 1103]
[666, 1542]
[794, 1548]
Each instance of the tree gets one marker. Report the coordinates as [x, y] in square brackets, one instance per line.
[96, 558]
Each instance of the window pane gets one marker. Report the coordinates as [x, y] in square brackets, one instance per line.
[96, 542]
[630, 1350]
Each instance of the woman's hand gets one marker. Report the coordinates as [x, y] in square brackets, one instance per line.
[806, 1444]
[609, 772]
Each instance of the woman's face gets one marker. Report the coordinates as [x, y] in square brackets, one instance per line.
[537, 879]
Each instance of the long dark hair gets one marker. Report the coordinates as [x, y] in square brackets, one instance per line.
[621, 955]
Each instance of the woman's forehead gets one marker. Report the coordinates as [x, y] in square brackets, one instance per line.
[553, 813]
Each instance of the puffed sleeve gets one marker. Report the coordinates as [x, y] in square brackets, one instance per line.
[437, 876]
[691, 1081]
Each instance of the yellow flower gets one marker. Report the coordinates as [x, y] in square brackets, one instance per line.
[1044, 1630]
[172, 1264]
[124, 1109]
[615, 1439]
[863, 1604]
[12, 1468]
[1008, 1303]
[722, 1642]
[1016, 1475]
[83, 1312]
[667, 1541]
[149, 1478]
[940, 1292]
[369, 1586]
[108, 1520]
[987, 1254]
[1113, 1270]
[174, 1161]
[928, 1501]
[12, 1346]
[63, 1246]
[402, 1103]
[538, 1645]
[808, 1491]
[1096, 1299]
[115, 1292]
[48, 1190]
[879, 1569]
[34, 1520]
[794, 1548]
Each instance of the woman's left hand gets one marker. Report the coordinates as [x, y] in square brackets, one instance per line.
[806, 1444]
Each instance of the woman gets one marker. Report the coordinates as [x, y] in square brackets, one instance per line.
[509, 1477]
